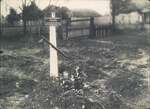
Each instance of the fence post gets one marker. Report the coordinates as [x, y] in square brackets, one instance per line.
[60, 32]
[1, 30]
[67, 29]
[68, 21]
[39, 28]
[92, 28]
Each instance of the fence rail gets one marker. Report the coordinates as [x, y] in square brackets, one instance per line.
[80, 20]
[78, 28]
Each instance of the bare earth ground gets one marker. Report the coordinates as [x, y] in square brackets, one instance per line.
[117, 69]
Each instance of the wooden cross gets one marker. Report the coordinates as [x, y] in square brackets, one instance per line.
[52, 52]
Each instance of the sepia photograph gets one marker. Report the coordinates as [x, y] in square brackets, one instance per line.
[74, 54]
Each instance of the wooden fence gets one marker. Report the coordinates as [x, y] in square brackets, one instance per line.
[15, 30]
[76, 27]
[103, 30]
[69, 28]
[81, 27]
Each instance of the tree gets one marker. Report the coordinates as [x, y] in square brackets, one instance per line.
[47, 11]
[0, 7]
[118, 6]
[32, 12]
[0, 18]
[62, 12]
[24, 5]
[24, 13]
[12, 17]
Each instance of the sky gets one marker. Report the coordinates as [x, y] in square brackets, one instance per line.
[101, 6]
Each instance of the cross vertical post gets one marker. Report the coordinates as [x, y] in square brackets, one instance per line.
[53, 52]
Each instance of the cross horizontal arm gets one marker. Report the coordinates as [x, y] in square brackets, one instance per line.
[59, 51]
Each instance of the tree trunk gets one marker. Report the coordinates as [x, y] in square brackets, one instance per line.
[113, 20]
[23, 16]
[113, 14]
[24, 27]
[0, 19]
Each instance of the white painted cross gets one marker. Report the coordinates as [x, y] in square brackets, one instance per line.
[53, 52]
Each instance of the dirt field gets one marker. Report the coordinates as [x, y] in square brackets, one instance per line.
[117, 69]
